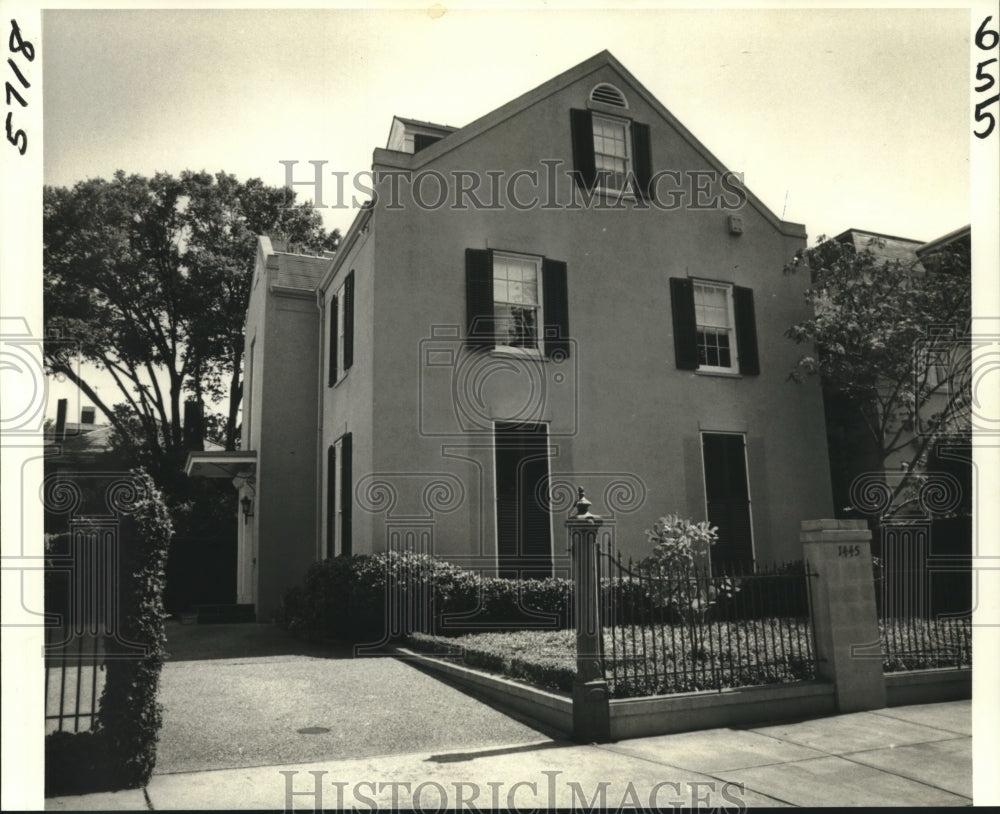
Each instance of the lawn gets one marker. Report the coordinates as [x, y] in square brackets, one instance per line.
[641, 661]
[662, 659]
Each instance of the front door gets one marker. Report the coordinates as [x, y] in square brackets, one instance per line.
[524, 533]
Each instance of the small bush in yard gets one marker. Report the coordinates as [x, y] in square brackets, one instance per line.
[347, 598]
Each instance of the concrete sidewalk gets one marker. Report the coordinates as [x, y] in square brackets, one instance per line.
[904, 756]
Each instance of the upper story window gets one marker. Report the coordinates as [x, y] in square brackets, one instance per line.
[517, 307]
[611, 153]
[713, 308]
[340, 310]
[516, 302]
[714, 326]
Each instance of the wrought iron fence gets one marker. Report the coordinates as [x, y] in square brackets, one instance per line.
[680, 631]
[913, 635]
[74, 678]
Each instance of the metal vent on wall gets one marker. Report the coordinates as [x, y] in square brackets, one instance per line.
[608, 95]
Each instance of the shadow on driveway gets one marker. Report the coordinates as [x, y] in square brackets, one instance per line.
[239, 641]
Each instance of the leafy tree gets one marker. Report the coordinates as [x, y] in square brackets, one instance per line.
[891, 343]
[150, 278]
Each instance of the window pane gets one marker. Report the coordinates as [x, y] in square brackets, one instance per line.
[516, 326]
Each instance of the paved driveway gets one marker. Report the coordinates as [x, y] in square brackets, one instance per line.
[247, 695]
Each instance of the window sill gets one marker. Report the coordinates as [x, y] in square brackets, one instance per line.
[724, 374]
[516, 353]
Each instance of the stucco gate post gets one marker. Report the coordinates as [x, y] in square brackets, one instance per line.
[591, 712]
[845, 620]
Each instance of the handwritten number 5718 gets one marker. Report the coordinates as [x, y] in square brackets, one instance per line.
[16, 44]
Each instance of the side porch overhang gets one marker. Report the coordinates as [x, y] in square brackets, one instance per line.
[239, 466]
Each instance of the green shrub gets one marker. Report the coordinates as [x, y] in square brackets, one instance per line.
[347, 599]
[121, 751]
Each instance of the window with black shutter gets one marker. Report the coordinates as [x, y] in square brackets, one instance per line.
[517, 302]
[349, 322]
[339, 485]
[332, 317]
[331, 501]
[524, 536]
[346, 494]
[714, 327]
[611, 153]
[727, 497]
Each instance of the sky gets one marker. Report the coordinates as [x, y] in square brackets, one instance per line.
[836, 118]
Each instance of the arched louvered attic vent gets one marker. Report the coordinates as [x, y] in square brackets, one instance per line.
[608, 95]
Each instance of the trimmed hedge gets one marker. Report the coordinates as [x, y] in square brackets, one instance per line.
[120, 752]
[348, 599]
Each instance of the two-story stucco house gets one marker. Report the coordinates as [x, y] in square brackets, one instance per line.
[570, 291]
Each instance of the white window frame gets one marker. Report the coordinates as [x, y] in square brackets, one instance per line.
[626, 125]
[734, 359]
[539, 348]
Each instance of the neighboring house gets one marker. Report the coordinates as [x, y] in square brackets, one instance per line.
[925, 530]
[851, 449]
[446, 380]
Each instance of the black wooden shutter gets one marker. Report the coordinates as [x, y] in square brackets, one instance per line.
[582, 131]
[524, 539]
[642, 158]
[349, 321]
[479, 330]
[555, 304]
[332, 380]
[346, 490]
[746, 330]
[331, 503]
[685, 327]
[727, 499]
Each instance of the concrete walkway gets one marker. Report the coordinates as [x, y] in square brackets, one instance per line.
[905, 756]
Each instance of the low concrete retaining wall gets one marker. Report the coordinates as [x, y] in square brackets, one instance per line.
[552, 710]
[639, 717]
[928, 686]
[685, 712]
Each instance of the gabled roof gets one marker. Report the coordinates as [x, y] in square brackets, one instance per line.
[961, 234]
[603, 59]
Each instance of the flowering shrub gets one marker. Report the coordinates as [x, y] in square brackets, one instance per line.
[679, 544]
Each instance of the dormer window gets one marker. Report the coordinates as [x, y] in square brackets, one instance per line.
[607, 94]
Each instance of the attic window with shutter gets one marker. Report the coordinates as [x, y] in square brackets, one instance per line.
[608, 95]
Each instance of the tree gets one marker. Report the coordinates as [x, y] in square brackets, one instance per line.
[891, 343]
[150, 278]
